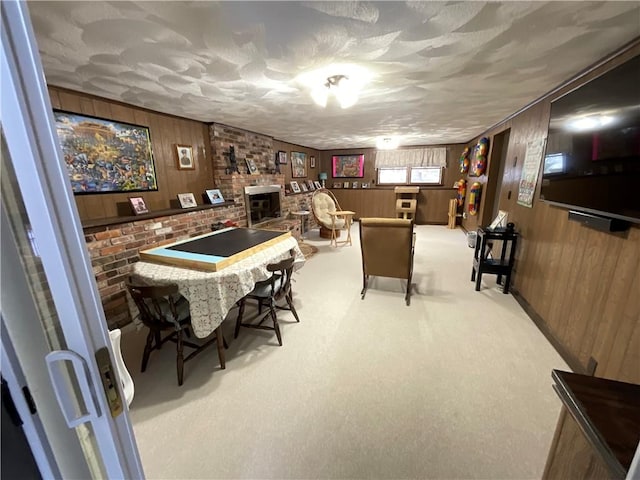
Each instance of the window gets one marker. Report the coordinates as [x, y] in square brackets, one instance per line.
[410, 175]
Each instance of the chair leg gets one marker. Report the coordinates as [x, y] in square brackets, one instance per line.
[276, 327]
[220, 344]
[478, 280]
[407, 297]
[507, 281]
[158, 340]
[291, 307]
[147, 350]
[365, 281]
[239, 319]
[473, 274]
[180, 358]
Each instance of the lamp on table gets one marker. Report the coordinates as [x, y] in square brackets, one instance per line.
[322, 176]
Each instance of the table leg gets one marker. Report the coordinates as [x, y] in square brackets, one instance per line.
[348, 224]
[334, 240]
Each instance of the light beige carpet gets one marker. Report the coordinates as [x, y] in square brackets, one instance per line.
[457, 385]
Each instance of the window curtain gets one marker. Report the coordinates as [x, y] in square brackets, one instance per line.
[413, 157]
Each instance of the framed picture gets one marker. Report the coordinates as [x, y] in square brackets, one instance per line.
[347, 166]
[304, 187]
[354, 185]
[311, 186]
[281, 157]
[138, 205]
[187, 200]
[103, 156]
[251, 166]
[214, 196]
[184, 157]
[312, 162]
[346, 185]
[295, 187]
[365, 185]
[298, 164]
[317, 184]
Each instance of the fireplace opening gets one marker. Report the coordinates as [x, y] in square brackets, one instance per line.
[262, 204]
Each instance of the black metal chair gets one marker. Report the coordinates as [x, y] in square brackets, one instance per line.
[163, 309]
[268, 293]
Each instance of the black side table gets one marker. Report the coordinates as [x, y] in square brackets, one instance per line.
[484, 260]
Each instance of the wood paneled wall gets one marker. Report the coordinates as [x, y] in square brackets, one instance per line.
[581, 286]
[166, 131]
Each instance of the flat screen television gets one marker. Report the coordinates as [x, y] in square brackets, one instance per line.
[592, 156]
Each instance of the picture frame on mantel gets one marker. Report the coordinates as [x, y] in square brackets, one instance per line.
[184, 157]
[138, 206]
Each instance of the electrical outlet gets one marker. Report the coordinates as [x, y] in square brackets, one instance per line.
[464, 215]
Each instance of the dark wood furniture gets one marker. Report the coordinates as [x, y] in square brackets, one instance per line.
[162, 309]
[485, 260]
[268, 293]
[608, 414]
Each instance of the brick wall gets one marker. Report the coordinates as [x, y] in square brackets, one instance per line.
[113, 250]
[247, 145]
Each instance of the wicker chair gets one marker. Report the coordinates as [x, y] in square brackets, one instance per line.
[322, 202]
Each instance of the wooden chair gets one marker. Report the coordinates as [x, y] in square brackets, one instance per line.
[387, 246]
[162, 309]
[322, 202]
[269, 292]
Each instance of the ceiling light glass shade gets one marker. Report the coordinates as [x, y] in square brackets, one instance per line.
[320, 94]
[387, 143]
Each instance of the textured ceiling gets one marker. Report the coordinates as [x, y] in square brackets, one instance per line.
[441, 72]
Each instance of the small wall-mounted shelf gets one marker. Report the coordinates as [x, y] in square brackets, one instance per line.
[103, 222]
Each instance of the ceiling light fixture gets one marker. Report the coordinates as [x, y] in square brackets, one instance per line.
[344, 81]
[387, 143]
[341, 86]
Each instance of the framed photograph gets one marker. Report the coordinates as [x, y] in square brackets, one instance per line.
[138, 206]
[337, 185]
[281, 157]
[295, 187]
[103, 156]
[214, 196]
[251, 166]
[184, 157]
[298, 164]
[187, 200]
[317, 184]
[311, 186]
[346, 185]
[347, 166]
[312, 162]
[304, 187]
[365, 185]
[354, 185]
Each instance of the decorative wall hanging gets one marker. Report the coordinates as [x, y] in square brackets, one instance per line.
[474, 198]
[480, 157]
[464, 160]
[347, 166]
[298, 164]
[104, 156]
[462, 191]
[251, 166]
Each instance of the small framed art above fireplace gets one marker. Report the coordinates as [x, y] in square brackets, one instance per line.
[262, 204]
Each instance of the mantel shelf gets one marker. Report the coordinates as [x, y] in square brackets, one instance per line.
[103, 222]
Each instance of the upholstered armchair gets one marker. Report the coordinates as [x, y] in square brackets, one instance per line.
[323, 202]
[387, 246]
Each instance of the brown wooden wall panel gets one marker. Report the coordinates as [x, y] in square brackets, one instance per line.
[583, 284]
[166, 131]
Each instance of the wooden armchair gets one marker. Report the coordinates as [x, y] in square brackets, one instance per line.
[387, 246]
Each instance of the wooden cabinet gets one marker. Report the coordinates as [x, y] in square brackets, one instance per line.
[433, 204]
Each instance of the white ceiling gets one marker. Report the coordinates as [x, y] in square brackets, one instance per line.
[442, 72]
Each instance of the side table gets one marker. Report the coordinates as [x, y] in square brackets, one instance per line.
[302, 214]
[485, 262]
[348, 217]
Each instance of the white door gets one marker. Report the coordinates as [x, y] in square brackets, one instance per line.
[56, 352]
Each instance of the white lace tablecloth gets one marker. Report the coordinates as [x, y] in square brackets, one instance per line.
[212, 294]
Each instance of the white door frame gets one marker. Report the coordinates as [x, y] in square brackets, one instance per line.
[27, 121]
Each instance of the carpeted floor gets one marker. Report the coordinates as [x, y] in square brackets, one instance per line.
[457, 385]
